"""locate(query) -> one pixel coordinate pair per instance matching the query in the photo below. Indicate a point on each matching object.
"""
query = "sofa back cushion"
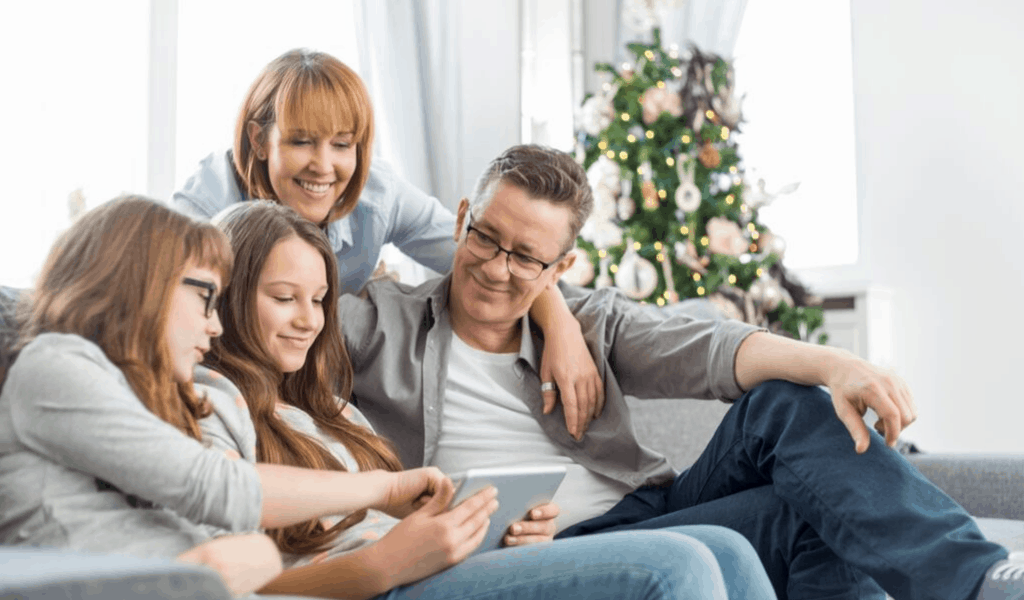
(8, 301)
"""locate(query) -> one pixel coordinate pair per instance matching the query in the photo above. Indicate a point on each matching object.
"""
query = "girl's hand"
(245, 562)
(539, 526)
(567, 362)
(407, 491)
(433, 538)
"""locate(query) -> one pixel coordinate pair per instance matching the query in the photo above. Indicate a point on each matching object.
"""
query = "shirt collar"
(530, 346)
(339, 233)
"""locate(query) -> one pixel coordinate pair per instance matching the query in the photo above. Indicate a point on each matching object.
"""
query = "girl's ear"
(256, 139)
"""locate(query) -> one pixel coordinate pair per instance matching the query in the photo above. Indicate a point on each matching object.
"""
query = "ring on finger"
(548, 386)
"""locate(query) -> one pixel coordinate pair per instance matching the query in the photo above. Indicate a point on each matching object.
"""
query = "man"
(448, 371)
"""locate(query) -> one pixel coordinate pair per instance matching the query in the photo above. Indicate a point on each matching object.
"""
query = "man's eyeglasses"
(522, 266)
(210, 298)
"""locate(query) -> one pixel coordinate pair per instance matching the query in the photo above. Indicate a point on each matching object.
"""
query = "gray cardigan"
(85, 466)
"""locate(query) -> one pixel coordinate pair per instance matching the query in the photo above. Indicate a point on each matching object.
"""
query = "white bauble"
(605, 207)
(636, 277)
(582, 271)
(605, 173)
(596, 114)
(687, 197)
(601, 233)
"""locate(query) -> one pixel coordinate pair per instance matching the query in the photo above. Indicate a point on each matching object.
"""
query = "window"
(77, 98)
(793, 60)
(75, 115)
(221, 48)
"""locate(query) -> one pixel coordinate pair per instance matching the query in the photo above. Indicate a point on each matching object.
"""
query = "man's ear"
(460, 218)
(254, 131)
(564, 265)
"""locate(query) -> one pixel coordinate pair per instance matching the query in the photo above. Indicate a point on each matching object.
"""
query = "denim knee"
(682, 563)
(780, 396)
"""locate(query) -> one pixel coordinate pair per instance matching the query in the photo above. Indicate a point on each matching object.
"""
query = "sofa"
(990, 487)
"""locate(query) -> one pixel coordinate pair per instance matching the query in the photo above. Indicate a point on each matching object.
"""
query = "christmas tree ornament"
(687, 194)
(636, 276)
(686, 255)
(605, 208)
(602, 234)
(725, 237)
(627, 208)
(605, 173)
(597, 113)
(775, 245)
(698, 120)
(709, 156)
(657, 100)
(650, 195)
(582, 270)
(671, 296)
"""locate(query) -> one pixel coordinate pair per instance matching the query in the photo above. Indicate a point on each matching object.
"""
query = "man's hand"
(567, 363)
(539, 526)
(857, 385)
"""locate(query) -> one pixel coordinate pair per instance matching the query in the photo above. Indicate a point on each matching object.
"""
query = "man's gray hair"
(544, 174)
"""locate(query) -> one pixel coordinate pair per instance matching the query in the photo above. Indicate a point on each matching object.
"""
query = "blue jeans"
(827, 522)
(650, 565)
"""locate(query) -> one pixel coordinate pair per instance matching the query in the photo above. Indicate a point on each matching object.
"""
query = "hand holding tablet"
(520, 489)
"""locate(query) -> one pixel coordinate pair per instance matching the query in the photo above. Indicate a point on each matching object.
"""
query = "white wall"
(938, 93)
(490, 83)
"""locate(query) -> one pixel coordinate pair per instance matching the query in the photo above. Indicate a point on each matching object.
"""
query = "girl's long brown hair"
(319, 388)
(313, 91)
(110, 278)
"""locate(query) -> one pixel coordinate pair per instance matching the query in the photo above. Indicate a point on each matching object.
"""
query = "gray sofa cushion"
(1005, 532)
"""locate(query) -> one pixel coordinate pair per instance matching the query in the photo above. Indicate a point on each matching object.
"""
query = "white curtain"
(713, 25)
(409, 60)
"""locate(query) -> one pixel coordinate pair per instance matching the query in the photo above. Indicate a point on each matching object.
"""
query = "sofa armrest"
(986, 485)
(31, 573)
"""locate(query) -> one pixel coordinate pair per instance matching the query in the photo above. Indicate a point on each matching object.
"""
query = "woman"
(101, 392)
(304, 138)
(284, 349)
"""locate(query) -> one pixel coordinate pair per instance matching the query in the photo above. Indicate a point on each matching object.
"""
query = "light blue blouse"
(390, 210)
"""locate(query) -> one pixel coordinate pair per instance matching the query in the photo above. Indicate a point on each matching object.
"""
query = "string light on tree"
(682, 222)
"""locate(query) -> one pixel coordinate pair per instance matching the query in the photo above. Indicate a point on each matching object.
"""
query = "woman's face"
(289, 301)
(308, 171)
(189, 329)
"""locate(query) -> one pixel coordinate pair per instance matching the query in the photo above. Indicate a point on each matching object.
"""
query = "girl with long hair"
(101, 394)
(304, 138)
(283, 348)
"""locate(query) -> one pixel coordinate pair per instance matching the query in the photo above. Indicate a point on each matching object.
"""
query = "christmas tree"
(674, 217)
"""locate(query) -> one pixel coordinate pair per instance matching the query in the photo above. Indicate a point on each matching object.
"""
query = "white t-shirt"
(487, 423)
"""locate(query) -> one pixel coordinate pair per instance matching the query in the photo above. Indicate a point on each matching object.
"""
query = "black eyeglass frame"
(211, 300)
(508, 253)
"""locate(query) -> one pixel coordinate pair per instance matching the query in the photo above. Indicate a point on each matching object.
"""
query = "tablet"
(519, 490)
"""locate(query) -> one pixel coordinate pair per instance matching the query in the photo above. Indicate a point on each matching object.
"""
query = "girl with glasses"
(101, 448)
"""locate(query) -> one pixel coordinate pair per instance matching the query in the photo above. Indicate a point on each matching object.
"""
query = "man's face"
(484, 290)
